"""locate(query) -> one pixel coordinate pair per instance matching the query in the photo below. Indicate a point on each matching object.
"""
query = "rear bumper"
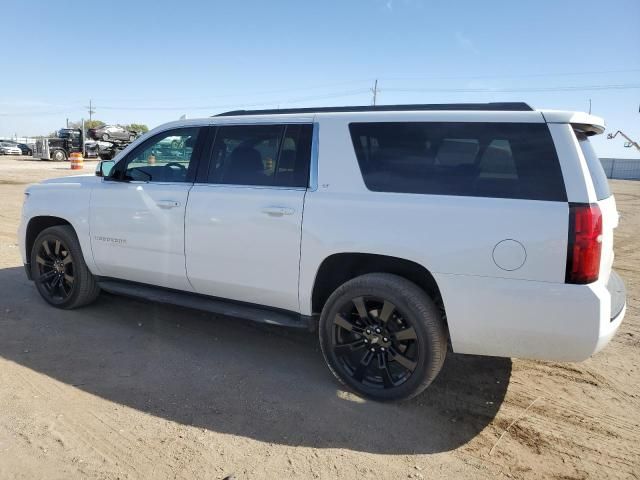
(539, 320)
(618, 294)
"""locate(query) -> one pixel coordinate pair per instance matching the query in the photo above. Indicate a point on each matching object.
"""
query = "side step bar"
(215, 305)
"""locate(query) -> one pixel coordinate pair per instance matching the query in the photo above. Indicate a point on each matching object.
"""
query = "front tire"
(105, 137)
(59, 271)
(59, 155)
(382, 336)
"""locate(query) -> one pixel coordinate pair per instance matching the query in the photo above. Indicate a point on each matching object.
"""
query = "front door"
(137, 213)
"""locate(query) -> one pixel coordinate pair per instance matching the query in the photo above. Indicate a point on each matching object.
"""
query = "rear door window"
(269, 155)
(599, 178)
(500, 160)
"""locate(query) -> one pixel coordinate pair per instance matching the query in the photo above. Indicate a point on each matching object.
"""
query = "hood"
(83, 179)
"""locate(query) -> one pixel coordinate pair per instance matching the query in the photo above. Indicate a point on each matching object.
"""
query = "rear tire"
(59, 270)
(382, 336)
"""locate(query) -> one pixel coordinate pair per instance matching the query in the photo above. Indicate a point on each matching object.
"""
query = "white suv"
(394, 230)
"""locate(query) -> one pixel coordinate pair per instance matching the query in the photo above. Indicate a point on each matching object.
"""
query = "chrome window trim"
(261, 187)
(144, 182)
(313, 167)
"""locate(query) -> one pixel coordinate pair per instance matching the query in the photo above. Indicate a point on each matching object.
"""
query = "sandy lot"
(127, 389)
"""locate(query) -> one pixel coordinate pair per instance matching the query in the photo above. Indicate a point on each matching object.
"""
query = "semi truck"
(58, 148)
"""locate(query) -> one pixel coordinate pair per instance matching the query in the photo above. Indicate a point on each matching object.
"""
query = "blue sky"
(153, 61)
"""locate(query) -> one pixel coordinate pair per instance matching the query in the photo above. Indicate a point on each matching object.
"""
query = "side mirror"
(104, 167)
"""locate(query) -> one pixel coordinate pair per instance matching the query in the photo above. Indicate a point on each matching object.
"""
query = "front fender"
(67, 200)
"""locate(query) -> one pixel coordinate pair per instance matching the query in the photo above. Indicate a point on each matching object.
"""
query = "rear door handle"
(168, 203)
(278, 211)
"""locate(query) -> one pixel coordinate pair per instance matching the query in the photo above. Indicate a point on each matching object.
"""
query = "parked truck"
(70, 140)
(58, 148)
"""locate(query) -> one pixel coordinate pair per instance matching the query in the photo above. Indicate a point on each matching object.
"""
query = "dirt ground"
(127, 389)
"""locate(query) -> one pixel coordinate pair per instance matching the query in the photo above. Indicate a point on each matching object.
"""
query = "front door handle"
(278, 211)
(168, 203)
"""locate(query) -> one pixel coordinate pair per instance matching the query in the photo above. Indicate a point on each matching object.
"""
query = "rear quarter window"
(599, 178)
(499, 160)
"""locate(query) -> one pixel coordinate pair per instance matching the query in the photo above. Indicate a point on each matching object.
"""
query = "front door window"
(165, 157)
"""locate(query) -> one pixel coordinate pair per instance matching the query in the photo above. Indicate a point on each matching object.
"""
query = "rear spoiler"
(583, 122)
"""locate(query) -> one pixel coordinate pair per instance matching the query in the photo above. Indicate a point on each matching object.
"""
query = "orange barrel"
(76, 161)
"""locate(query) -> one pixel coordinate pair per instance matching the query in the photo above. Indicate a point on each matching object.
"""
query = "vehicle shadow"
(231, 376)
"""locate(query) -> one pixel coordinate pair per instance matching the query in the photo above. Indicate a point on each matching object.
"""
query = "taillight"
(585, 243)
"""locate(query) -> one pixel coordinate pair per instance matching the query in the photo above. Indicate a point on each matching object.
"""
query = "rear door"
(244, 217)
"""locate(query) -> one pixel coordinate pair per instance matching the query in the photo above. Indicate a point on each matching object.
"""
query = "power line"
(35, 114)
(375, 90)
(348, 93)
(573, 88)
(425, 77)
(245, 94)
(237, 105)
(521, 75)
(366, 81)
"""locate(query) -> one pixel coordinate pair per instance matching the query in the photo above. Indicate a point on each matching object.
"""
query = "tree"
(87, 124)
(137, 127)
(92, 124)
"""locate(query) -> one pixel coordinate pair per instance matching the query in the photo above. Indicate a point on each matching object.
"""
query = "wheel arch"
(338, 268)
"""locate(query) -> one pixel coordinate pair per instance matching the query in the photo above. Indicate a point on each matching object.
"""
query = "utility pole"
(375, 91)
(91, 110)
(589, 106)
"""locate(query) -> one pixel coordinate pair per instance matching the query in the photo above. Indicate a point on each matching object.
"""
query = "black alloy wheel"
(383, 336)
(59, 270)
(375, 342)
(55, 269)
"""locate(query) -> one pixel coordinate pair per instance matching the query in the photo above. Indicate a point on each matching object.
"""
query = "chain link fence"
(621, 168)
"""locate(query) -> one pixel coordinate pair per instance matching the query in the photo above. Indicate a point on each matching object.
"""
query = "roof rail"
(493, 107)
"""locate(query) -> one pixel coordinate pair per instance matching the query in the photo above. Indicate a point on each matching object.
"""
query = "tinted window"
(276, 155)
(502, 160)
(295, 155)
(165, 157)
(599, 178)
